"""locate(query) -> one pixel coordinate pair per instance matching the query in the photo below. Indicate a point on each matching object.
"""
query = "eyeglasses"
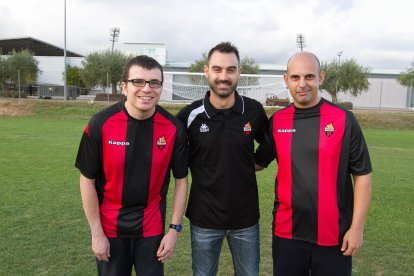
(142, 83)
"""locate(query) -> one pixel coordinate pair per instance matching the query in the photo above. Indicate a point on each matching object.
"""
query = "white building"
(50, 57)
(384, 92)
(52, 68)
(158, 51)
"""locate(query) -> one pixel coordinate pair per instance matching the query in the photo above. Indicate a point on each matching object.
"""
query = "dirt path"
(10, 107)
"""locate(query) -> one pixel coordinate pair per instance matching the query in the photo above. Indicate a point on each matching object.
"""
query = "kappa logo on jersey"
(247, 129)
(329, 129)
(204, 128)
(118, 143)
(286, 130)
(161, 142)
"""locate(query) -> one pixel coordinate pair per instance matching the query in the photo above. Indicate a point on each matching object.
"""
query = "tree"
(3, 71)
(17, 64)
(73, 76)
(103, 68)
(407, 78)
(347, 77)
(198, 65)
(249, 66)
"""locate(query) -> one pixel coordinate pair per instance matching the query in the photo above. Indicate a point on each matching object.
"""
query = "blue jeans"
(244, 246)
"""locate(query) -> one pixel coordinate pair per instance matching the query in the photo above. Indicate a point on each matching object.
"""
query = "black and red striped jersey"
(317, 150)
(131, 160)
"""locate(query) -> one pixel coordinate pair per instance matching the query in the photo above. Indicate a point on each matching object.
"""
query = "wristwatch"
(176, 227)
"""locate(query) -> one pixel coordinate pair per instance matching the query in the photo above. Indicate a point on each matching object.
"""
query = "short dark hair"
(224, 47)
(143, 61)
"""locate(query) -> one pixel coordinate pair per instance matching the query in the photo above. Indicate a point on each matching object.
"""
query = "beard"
(223, 92)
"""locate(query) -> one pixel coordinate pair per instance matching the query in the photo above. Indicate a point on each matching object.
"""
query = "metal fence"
(48, 91)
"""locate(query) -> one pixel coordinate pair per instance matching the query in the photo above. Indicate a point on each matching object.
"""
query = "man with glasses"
(125, 156)
(223, 203)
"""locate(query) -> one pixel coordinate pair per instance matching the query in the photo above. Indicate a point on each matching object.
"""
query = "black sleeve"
(183, 116)
(266, 152)
(262, 125)
(88, 158)
(179, 161)
(359, 160)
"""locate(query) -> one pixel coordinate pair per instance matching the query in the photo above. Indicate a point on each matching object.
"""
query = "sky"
(376, 33)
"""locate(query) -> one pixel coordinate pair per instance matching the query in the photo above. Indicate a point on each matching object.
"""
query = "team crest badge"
(161, 142)
(247, 128)
(329, 129)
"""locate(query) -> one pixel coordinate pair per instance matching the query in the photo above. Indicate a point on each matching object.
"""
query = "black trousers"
(301, 258)
(125, 253)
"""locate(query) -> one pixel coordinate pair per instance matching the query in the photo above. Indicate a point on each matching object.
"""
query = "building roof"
(36, 46)
(385, 71)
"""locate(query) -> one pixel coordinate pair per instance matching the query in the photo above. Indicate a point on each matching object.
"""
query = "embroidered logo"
(329, 129)
(161, 142)
(247, 129)
(204, 128)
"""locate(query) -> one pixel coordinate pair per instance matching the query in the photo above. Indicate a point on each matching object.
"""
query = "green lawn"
(43, 229)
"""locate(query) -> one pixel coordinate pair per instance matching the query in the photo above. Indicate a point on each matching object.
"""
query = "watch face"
(177, 227)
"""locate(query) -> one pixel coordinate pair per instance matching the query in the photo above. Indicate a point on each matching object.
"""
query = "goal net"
(179, 86)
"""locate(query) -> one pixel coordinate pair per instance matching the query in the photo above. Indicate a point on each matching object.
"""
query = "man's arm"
(166, 249)
(266, 151)
(258, 168)
(100, 243)
(353, 238)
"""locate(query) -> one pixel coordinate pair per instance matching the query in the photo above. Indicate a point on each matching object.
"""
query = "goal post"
(183, 86)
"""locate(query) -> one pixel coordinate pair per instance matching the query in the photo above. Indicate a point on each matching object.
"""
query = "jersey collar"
(211, 111)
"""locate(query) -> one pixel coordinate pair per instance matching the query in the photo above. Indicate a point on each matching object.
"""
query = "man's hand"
(352, 243)
(100, 247)
(167, 246)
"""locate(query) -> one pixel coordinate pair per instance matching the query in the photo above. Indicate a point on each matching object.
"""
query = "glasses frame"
(150, 83)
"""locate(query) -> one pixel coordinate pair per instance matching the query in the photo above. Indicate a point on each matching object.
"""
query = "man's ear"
(124, 87)
(206, 70)
(285, 78)
(321, 77)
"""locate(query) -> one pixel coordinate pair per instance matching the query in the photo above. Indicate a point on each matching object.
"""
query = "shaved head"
(303, 78)
(305, 54)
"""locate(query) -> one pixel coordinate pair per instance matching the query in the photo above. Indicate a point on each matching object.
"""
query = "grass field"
(43, 229)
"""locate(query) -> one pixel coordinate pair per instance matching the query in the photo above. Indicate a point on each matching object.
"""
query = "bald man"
(323, 183)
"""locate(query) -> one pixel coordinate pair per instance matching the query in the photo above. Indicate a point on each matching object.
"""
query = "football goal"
(182, 86)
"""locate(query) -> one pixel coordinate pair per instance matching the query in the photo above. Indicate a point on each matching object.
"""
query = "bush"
(111, 97)
(347, 105)
(12, 94)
